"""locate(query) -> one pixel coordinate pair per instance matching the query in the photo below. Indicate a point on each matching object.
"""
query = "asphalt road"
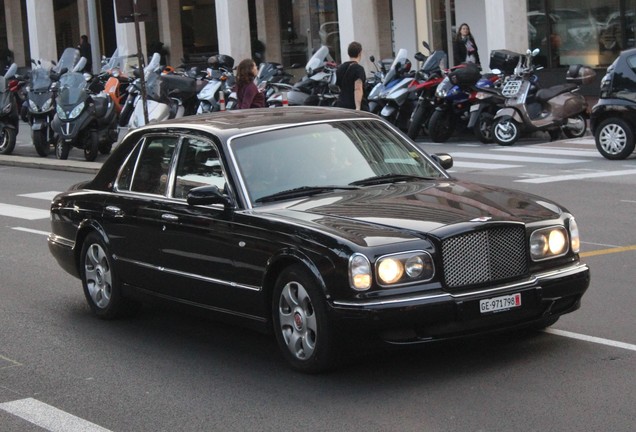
(171, 371)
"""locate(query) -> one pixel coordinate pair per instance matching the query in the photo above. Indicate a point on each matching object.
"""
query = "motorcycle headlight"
(7, 108)
(76, 111)
(60, 112)
(47, 105)
(549, 243)
(33, 106)
(441, 92)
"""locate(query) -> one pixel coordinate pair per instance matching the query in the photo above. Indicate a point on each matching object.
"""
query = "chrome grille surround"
(485, 256)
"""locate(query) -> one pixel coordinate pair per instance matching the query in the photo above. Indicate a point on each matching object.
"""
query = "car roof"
(233, 122)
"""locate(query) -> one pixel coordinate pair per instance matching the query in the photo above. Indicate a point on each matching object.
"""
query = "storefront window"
(306, 25)
(590, 32)
(198, 27)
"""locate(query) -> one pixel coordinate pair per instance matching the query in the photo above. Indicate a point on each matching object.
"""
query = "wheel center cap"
(298, 321)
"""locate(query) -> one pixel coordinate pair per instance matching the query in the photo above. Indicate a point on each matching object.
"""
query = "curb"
(51, 164)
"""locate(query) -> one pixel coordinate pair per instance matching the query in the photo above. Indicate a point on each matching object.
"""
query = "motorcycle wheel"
(441, 125)
(91, 147)
(483, 128)
(62, 149)
(576, 127)
(418, 121)
(41, 143)
(614, 139)
(505, 131)
(7, 141)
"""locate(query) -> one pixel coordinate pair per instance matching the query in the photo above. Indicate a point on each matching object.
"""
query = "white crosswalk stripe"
(22, 212)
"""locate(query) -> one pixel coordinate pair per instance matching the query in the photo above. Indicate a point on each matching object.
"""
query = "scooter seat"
(180, 83)
(544, 95)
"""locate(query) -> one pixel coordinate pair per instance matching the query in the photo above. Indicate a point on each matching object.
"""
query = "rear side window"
(148, 172)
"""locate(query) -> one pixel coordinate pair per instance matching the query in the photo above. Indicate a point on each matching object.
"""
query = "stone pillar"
(268, 27)
(233, 24)
(169, 16)
(507, 24)
(127, 39)
(358, 22)
(41, 29)
(15, 32)
(405, 34)
(82, 15)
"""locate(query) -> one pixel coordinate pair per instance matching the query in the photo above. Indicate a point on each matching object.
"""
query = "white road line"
(21, 212)
(544, 151)
(592, 339)
(464, 164)
(583, 176)
(49, 417)
(48, 196)
(510, 158)
(32, 231)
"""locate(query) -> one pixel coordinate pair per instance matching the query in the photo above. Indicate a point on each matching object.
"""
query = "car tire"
(7, 140)
(505, 131)
(102, 287)
(41, 143)
(578, 130)
(441, 126)
(614, 139)
(299, 315)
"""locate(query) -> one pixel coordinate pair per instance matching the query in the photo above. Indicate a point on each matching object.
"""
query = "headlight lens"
(548, 243)
(76, 111)
(416, 266)
(7, 108)
(47, 105)
(575, 242)
(359, 272)
(60, 112)
(33, 106)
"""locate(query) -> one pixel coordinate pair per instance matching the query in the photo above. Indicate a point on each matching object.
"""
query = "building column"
(127, 39)
(41, 29)
(507, 24)
(358, 21)
(15, 32)
(169, 17)
(405, 34)
(268, 27)
(233, 24)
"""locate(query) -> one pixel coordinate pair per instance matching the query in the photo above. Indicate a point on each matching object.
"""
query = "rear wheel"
(614, 139)
(7, 140)
(40, 142)
(441, 125)
(303, 332)
(575, 127)
(62, 149)
(483, 128)
(505, 131)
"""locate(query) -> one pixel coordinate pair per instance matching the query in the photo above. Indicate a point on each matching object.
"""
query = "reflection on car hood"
(419, 207)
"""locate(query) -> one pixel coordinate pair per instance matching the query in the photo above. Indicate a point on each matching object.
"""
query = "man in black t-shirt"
(350, 77)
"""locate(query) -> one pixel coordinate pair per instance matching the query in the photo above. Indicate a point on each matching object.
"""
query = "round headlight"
(414, 266)
(390, 271)
(557, 242)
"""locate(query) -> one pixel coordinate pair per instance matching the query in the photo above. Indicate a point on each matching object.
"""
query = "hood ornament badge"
(481, 219)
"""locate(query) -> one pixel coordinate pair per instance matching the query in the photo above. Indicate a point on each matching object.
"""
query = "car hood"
(408, 209)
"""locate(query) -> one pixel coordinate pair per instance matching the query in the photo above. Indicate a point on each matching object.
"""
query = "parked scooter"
(488, 100)
(316, 88)
(217, 83)
(374, 86)
(83, 120)
(554, 109)
(394, 99)
(9, 118)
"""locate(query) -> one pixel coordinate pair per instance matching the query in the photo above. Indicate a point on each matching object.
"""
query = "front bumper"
(442, 315)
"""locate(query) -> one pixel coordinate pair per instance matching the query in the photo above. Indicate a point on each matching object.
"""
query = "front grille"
(484, 256)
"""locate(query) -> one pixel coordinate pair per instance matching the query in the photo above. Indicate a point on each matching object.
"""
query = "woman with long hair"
(247, 93)
(465, 48)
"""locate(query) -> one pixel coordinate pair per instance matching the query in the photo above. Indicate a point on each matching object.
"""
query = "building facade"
(592, 32)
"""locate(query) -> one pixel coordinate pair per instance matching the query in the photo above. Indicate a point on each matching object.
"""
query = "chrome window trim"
(534, 280)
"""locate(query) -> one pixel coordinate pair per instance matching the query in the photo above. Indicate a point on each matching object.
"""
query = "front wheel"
(299, 316)
(614, 139)
(575, 127)
(419, 119)
(7, 140)
(62, 149)
(483, 128)
(100, 281)
(40, 142)
(441, 125)
(505, 131)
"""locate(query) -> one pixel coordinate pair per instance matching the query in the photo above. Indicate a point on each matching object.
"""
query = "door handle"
(169, 217)
(114, 211)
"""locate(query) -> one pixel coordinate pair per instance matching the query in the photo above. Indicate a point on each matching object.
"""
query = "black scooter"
(9, 118)
(83, 120)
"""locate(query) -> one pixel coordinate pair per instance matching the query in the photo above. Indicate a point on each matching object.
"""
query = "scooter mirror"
(426, 45)
(535, 52)
(372, 58)
(528, 52)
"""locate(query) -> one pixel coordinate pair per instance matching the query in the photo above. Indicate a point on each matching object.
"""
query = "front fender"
(511, 112)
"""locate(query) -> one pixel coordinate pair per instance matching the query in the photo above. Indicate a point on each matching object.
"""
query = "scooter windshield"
(400, 60)
(436, 61)
(72, 89)
(318, 59)
(68, 60)
(40, 80)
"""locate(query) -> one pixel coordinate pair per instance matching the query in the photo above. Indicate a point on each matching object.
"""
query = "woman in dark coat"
(465, 48)
(247, 93)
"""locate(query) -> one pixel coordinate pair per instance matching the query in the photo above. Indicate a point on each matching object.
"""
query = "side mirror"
(426, 45)
(443, 159)
(205, 195)
(372, 58)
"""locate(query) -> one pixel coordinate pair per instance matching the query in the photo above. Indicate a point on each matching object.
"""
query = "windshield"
(393, 73)
(318, 59)
(338, 155)
(68, 59)
(434, 62)
(72, 88)
(40, 79)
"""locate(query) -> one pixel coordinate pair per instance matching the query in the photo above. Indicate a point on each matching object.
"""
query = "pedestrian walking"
(85, 51)
(464, 47)
(350, 77)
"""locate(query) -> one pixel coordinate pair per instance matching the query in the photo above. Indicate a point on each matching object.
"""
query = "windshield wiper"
(389, 178)
(302, 191)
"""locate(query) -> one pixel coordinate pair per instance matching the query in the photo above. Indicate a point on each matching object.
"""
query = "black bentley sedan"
(317, 224)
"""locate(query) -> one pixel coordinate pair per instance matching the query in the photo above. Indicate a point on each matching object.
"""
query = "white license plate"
(502, 303)
(474, 107)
